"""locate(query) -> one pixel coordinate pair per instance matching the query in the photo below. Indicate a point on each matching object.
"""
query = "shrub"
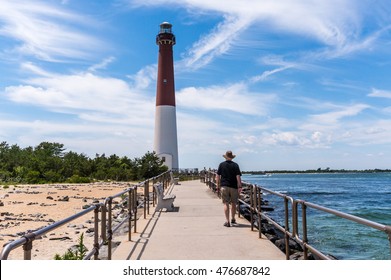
(77, 254)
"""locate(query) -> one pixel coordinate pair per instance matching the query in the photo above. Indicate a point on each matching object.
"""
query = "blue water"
(366, 195)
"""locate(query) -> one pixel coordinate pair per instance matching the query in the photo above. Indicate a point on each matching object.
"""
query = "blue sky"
(283, 84)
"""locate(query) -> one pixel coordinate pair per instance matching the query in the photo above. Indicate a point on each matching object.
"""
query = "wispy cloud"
(45, 31)
(380, 93)
(334, 116)
(216, 43)
(267, 74)
(143, 78)
(101, 65)
(335, 24)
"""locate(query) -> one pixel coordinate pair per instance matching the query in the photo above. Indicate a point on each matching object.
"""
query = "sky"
(287, 85)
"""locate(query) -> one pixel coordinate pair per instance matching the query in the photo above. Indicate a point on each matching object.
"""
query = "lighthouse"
(165, 141)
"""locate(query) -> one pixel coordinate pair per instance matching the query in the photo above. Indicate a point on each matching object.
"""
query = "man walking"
(229, 178)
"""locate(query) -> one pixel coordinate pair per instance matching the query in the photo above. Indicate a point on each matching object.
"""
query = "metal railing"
(291, 215)
(105, 223)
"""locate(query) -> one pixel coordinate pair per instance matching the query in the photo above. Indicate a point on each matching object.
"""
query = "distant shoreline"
(317, 171)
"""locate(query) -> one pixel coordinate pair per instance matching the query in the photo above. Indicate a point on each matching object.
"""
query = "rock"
(280, 243)
(296, 256)
(90, 230)
(32, 203)
(63, 238)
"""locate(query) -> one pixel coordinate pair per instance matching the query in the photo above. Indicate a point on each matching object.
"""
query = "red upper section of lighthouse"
(165, 91)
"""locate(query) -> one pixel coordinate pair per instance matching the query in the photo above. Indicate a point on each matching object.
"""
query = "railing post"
(146, 198)
(103, 222)
(96, 233)
(238, 207)
(388, 231)
(130, 208)
(305, 240)
(154, 193)
(287, 249)
(252, 207)
(217, 186)
(27, 247)
(208, 179)
(135, 207)
(295, 221)
(109, 229)
(259, 199)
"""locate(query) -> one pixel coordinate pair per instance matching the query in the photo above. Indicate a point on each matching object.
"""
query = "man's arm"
(239, 180)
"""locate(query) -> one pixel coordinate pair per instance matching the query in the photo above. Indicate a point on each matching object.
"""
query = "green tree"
(48, 163)
(47, 157)
(150, 165)
(76, 164)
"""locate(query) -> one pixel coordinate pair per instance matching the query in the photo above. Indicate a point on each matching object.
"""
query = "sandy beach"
(30, 207)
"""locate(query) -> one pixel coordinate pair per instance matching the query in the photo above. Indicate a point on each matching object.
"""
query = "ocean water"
(366, 195)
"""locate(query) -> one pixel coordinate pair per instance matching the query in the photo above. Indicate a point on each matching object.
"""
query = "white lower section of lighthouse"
(166, 140)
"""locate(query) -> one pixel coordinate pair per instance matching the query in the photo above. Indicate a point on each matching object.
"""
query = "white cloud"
(144, 78)
(369, 133)
(216, 43)
(96, 112)
(102, 65)
(334, 23)
(47, 32)
(266, 74)
(235, 97)
(82, 137)
(287, 138)
(334, 116)
(88, 96)
(380, 93)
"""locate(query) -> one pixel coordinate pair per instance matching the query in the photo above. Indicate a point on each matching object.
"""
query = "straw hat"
(229, 155)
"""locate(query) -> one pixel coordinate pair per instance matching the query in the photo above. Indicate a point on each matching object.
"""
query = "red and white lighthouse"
(166, 142)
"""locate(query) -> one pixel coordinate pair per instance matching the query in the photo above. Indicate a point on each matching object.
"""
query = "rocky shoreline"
(274, 234)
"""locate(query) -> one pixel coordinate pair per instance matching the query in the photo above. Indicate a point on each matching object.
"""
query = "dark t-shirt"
(228, 171)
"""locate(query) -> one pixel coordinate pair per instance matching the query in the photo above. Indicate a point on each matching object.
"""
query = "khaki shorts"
(229, 195)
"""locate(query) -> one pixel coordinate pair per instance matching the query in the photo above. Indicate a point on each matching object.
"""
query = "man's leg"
(226, 211)
(226, 199)
(233, 211)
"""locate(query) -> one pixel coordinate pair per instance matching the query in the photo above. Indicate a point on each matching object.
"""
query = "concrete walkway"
(195, 231)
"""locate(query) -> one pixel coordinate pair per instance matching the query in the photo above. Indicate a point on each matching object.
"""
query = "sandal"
(226, 224)
(233, 221)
